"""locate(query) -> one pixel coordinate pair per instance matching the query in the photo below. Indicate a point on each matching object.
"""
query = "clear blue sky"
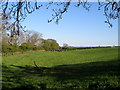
(77, 28)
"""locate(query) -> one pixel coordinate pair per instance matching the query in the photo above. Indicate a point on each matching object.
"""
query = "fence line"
(16, 53)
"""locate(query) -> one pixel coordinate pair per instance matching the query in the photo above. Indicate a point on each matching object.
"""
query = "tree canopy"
(18, 11)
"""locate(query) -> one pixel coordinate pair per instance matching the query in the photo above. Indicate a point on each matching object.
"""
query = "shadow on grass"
(81, 72)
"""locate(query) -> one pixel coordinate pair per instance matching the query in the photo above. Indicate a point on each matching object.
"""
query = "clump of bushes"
(49, 44)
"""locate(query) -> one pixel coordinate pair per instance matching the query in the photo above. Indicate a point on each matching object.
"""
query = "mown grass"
(89, 68)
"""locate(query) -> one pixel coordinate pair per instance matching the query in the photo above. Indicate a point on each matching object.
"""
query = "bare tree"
(65, 45)
(4, 28)
(19, 10)
(6, 34)
(33, 37)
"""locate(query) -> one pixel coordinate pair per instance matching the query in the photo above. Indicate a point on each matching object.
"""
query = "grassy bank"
(87, 68)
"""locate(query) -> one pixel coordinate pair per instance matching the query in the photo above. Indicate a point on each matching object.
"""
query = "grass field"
(87, 68)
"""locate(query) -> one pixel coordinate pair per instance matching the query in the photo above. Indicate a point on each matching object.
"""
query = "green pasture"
(87, 68)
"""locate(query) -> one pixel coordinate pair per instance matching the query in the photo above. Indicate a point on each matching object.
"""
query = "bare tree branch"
(19, 11)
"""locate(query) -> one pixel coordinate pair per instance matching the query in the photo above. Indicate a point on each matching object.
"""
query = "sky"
(78, 27)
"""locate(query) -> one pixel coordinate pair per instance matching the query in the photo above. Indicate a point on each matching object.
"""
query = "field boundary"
(16, 53)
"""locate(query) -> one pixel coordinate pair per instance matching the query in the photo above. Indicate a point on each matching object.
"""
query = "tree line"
(27, 40)
(30, 40)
